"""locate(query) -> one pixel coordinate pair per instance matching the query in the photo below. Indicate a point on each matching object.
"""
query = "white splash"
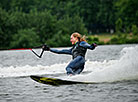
(125, 68)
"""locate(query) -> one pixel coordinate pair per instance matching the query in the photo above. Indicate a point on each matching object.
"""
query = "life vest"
(78, 50)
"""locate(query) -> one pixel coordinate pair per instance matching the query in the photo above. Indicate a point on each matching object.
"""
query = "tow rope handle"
(40, 56)
(37, 54)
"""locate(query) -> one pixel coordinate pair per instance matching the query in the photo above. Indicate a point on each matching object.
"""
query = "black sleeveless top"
(78, 50)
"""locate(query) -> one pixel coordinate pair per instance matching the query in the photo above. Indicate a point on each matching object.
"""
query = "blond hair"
(79, 36)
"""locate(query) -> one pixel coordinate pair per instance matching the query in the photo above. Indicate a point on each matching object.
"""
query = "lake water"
(113, 67)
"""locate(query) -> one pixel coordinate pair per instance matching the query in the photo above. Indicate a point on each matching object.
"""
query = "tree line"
(27, 23)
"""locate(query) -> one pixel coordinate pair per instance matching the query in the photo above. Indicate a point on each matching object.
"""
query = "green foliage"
(59, 39)
(133, 40)
(25, 38)
(54, 21)
(123, 39)
(44, 24)
(69, 25)
(118, 40)
(106, 15)
(4, 33)
(127, 11)
(66, 27)
(92, 40)
(128, 30)
(134, 29)
(119, 25)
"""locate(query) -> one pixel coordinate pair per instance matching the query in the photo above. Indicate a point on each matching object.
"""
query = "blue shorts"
(76, 66)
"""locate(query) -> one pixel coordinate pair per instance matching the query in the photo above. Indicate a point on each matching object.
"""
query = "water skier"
(77, 51)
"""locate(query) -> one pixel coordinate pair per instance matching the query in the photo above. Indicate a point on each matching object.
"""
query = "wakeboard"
(56, 81)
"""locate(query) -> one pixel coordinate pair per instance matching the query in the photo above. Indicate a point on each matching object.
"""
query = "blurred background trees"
(26, 23)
